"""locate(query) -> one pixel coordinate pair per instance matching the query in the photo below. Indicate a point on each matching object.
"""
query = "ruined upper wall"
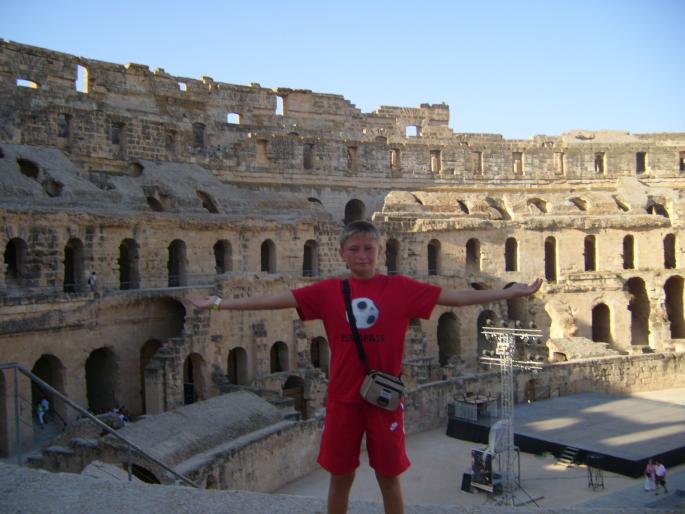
(106, 116)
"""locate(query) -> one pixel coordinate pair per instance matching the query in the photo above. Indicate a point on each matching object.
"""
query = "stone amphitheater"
(164, 186)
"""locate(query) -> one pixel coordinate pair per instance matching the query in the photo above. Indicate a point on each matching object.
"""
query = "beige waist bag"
(382, 389)
(379, 388)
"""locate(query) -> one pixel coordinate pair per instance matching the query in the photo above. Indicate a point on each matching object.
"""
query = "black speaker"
(466, 482)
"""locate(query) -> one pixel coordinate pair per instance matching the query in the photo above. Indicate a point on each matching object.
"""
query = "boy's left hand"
(526, 289)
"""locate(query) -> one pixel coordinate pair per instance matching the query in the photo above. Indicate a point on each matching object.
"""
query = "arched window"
(74, 273)
(177, 263)
(434, 257)
(310, 260)
(601, 323)
(15, 263)
(101, 380)
(355, 210)
(639, 311)
(669, 252)
(628, 252)
(236, 368)
(590, 253)
(392, 250)
(223, 256)
(268, 256)
(50, 370)
(674, 306)
(511, 254)
(473, 256)
(279, 357)
(551, 259)
(129, 276)
(319, 353)
(193, 384)
(449, 342)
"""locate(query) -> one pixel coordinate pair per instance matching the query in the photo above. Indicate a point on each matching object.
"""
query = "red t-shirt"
(383, 307)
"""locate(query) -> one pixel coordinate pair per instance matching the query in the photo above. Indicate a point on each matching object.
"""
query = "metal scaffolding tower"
(505, 348)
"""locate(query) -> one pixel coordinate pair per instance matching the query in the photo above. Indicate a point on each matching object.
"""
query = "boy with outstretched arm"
(388, 304)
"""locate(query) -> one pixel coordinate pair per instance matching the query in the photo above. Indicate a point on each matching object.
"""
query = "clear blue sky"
(514, 68)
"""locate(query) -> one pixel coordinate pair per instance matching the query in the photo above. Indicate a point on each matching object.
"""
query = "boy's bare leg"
(391, 489)
(339, 493)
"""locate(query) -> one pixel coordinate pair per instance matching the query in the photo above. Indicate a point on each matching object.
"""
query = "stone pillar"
(261, 345)
(304, 359)
(154, 388)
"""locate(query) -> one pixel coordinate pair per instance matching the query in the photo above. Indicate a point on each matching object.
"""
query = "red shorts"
(344, 426)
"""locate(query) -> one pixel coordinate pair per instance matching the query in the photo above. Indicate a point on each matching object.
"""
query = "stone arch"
(193, 379)
(392, 252)
(673, 289)
(50, 370)
(223, 256)
(310, 259)
(511, 254)
(177, 263)
(639, 311)
(473, 256)
(485, 318)
(268, 256)
(236, 366)
(208, 202)
(294, 388)
(102, 373)
(278, 357)
(129, 274)
(551, 259)
(434, 257)
(629, 252)
(15, 263)
(355, 210)
(147, 352)
(669, 252)
(144, 474)
(657, 209)
(449, 341)
(537, 205)
(590, 253)
(601, 323)
(74, 271)
(319, 354)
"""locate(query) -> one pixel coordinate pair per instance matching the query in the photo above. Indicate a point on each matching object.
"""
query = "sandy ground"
(438, 462)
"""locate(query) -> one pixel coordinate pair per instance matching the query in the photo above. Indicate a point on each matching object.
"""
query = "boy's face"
(360, 252)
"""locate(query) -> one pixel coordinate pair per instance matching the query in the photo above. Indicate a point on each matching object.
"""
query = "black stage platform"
(621, 431)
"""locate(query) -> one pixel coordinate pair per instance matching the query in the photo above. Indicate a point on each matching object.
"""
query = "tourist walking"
(650, 476)
(660, 476)
(42, 410)
(383, 306)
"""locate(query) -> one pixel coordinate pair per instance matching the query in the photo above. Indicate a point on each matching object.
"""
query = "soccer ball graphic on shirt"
(365, 312)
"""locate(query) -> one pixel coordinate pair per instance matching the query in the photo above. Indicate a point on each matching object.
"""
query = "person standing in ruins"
(384, 306)
(93, 282)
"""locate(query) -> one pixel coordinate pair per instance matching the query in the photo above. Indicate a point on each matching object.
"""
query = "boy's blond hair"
(359, 227)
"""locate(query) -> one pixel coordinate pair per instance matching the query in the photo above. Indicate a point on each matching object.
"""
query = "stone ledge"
(28, 490)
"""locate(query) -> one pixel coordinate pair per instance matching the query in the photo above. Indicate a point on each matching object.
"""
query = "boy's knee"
(388, 483)
(341, 482)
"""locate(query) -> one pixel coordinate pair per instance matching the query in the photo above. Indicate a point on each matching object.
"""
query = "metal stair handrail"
(18, 368)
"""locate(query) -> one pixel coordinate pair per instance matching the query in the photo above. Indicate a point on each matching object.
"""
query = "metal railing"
(18, 368)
